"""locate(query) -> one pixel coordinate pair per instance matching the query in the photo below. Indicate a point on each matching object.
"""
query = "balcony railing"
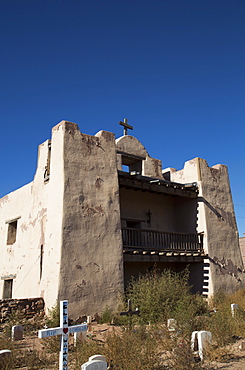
(165, 241)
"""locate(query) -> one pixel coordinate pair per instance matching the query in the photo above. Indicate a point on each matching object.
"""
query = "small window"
(7, 288)
(12, 231)
(131, 164)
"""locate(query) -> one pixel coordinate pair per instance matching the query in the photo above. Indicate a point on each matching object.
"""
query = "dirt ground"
(233, 360)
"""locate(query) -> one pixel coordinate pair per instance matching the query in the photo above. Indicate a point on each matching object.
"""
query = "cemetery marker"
(130, 312)
(63, 330)
(234, 309)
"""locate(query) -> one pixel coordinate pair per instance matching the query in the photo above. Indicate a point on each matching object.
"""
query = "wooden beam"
(162, 188)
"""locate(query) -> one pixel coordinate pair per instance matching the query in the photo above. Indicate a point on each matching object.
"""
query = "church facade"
(101, 210)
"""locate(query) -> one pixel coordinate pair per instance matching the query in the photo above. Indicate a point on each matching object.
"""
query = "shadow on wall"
(220, 213)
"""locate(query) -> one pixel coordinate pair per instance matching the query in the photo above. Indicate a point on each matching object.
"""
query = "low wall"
(29, 307)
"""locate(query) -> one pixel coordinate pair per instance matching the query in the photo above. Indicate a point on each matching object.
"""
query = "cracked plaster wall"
(92, 266)
(216, 219)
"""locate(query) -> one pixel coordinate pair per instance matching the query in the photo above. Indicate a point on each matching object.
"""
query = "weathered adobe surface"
(28, 306)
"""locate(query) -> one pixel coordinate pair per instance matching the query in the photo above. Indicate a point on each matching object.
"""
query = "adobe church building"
(101, 210)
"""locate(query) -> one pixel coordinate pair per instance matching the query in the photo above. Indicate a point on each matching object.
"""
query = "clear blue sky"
(174, 68)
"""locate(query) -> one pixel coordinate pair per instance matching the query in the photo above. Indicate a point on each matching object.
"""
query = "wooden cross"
(63, 330)
(126, 126)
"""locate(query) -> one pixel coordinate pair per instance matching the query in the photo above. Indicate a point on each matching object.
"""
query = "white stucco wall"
(38, 207)
(53, 235)
(22, 258)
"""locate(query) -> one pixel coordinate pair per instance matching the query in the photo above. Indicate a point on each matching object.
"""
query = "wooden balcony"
(150, 240)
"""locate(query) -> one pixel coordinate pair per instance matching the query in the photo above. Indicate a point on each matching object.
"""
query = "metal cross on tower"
(126, 126)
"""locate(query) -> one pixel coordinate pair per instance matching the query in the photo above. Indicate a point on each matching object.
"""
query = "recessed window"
(12, 232)
(7, 288)
(131, 164)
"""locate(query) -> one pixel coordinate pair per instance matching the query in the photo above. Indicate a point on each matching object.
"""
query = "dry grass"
(136, 344)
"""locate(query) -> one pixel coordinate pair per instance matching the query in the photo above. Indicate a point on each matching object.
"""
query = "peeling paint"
(98, 182)
(81, 198)
(95, 266)
(108, 136)
(90, 141)
(39, 216)
(10, 251)
(227, 217)
(227, 267)
(4, 200)
(71, 128)
(91, 211)
(215, 174)
(24, 226)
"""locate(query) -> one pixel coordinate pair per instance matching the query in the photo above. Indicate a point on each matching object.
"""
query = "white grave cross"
(63, 330)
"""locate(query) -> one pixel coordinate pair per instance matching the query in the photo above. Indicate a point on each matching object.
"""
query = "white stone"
(94, 365)
(5, 358)
(171, 324)
(97, 358)
(234, 308)
(242, 346)
(204, 339)
(17, 332)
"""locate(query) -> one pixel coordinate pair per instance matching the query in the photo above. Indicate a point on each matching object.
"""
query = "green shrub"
(160, 296)
(182, 357)
(133, 350)
(53, 317)
(84, 350)
(52, 344)
(107, 316)
(224, 327)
